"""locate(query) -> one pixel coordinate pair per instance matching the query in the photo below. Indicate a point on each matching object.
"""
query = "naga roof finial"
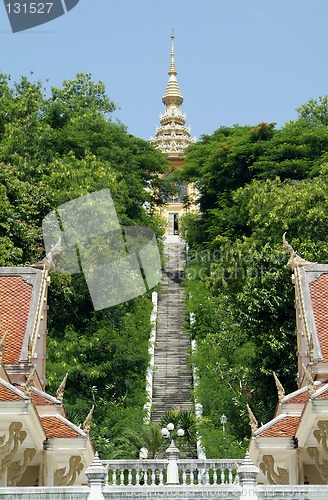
(87, 422)
(2, 344)
(29, 382)
(280, 389)
(295, 260)
(61, 389)
(252, 420)
(309, 381)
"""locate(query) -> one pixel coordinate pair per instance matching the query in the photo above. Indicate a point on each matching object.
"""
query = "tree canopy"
(54, 147)
(254, 184)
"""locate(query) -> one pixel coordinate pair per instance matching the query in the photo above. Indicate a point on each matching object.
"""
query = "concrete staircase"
(172, 380)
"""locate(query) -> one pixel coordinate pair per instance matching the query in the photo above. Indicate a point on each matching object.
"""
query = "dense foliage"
(254, 183)
(54, 148)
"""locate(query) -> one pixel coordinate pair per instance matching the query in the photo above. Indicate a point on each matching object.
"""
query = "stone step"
(172, 379)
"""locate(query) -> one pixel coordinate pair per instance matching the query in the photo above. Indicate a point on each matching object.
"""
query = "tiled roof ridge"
(65, 421)
(46, 395)
(39, 392)
(274, 421)
(39, 307)
(16, 298)
(283, 428)
(270, 423)
(18, 270)
(298, 280)
(13, 388)
(320, 391)
(318, 294)
(293, 394)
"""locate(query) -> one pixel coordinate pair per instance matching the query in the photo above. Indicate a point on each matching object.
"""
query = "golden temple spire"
(172, 67)
(172, 137)
(172, 94)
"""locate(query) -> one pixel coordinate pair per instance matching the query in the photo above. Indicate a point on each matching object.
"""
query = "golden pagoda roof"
(172, 93)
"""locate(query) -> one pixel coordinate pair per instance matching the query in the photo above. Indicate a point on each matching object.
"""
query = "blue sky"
(238, 61)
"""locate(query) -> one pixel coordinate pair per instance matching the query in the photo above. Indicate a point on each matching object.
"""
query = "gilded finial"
(48, 263)
(29, 350)
(280, 389)
(87, 422)
(172, 70)
(61, 389)
(252, 420)
(29, 382)
(309, 381)
(311, 347)
(295, 260)
(2, 344)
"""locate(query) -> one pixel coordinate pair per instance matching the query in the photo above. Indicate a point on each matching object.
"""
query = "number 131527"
(29, 8)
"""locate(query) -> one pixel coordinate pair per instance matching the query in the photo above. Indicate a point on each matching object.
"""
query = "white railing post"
(247, 473)
(172, 454)
(151, 351)
(96, 475)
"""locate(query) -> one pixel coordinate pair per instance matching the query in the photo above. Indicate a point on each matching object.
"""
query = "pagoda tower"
(172, 138)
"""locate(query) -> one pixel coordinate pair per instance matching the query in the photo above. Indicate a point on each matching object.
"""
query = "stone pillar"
(48, 465)
(172, 454)
(247, 473)
(96, 475)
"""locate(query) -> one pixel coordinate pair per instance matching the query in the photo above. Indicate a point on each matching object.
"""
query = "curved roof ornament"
(295, 260)
(252, 420)
(61, 389)
(280, 389)
(309, 380)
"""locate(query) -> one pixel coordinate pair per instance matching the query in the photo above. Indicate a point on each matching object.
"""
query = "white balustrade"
(135, 472)
(154, 472)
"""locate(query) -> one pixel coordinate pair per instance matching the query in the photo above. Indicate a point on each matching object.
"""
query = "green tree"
(54, 149)
(147, 438)
(188, 422)
(315, 112)
(255, 183)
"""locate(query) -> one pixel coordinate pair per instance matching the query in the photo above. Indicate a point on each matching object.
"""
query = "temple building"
(292, 448)
(172, 138)
(39, 446)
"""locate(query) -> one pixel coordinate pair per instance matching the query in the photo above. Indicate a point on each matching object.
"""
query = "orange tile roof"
(38, 397)
(285, 427)
(8, 395)
(55, 427)
(319, 297)
(298, 398)
(301, 396)
(15, 300)
(322, 395)
(41, 400)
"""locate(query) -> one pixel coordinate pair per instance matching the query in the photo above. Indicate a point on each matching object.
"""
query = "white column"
(96, 475)
(172, 454)
(247, 473)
